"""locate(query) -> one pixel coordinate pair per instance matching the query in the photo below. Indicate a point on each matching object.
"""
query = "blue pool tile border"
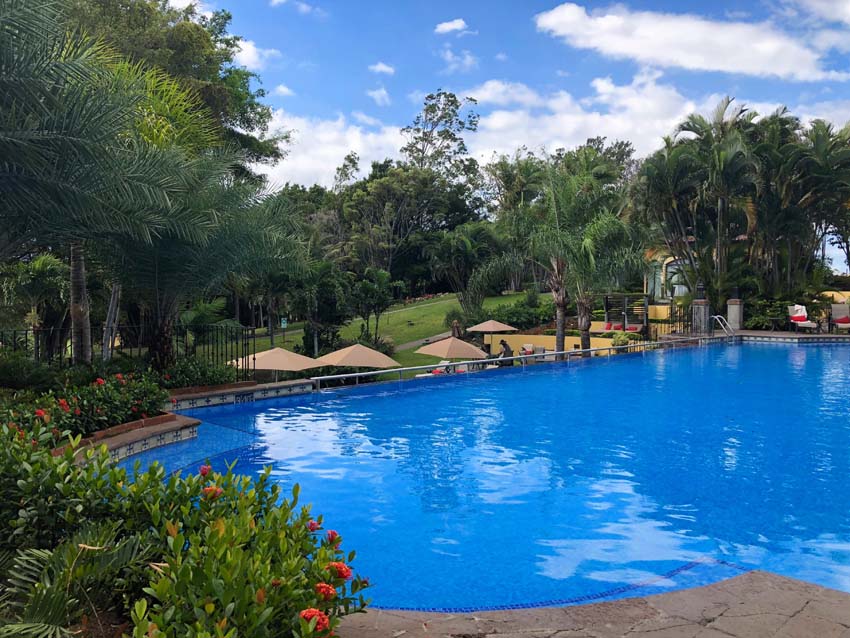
(575, 600)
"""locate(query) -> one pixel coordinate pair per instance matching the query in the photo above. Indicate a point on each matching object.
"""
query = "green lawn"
(404, 324)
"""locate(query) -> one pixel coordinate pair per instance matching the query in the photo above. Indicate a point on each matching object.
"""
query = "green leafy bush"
(227, 555)
(196, 371)
(18, 371)
(620, 339)
(521, 315)
(89, 408)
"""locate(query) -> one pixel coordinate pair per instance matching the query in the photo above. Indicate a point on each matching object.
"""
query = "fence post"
(735, 313)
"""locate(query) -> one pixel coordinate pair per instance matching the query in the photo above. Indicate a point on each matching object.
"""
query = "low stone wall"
(243, 394)
(131, 438)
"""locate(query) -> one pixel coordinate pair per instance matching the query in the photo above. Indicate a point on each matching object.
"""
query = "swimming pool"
(561, 484)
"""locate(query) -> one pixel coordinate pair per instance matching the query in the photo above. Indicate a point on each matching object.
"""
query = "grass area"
(404, 324)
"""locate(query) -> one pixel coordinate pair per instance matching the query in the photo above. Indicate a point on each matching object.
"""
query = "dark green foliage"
(521, 315)
(188, 372)
(18, 372)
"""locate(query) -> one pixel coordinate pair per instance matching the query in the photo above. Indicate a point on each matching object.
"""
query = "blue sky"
(345, 75)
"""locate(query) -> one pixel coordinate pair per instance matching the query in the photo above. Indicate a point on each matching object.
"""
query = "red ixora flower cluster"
(325, 591)
(340, 569)
(212, 492)
(63, 403)
(313, 526)
(204, 470)
(323, 623)
(99, 381)
(40, 413)
(333, 537)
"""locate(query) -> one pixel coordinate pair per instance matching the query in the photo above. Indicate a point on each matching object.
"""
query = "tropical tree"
(569, 243)
(372, 294)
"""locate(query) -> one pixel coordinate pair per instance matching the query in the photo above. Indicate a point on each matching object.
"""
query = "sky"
(346, 75)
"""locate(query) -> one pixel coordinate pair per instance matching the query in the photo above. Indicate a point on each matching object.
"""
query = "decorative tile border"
(152, 441)
(240, 395)
(576, 600)
(768, 338)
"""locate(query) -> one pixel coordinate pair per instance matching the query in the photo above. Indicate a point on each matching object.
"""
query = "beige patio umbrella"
(277, 359)
(357, 356)
(452, 348)
(491, 325)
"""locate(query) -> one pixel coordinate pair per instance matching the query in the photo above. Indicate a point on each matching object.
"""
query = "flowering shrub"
(86, 409)
(188, 372)
(226, 555)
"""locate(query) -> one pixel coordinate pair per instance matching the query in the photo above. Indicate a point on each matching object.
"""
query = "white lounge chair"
(799, 317)
(840, 316)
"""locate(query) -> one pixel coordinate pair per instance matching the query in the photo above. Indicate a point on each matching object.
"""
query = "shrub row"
(211, 554)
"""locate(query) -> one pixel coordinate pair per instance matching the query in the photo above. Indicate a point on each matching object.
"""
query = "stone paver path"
(753, 605)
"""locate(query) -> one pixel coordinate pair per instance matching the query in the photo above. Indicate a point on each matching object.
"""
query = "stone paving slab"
(754, 605)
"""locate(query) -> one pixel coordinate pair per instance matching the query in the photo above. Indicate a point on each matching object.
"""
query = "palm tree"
(720, 145)
(578, 192)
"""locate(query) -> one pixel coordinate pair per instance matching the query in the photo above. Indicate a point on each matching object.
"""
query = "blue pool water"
(562, 484)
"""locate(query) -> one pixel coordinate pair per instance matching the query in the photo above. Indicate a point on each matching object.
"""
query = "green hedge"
(202, 555)
(89, 408)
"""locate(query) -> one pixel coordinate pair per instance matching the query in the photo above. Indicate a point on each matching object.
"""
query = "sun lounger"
(799, 317)
(840, 316)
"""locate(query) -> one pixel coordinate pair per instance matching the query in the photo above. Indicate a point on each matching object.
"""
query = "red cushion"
(617, 326)
(798, 318)
(632, 329)
(608, 326)
(843, 320)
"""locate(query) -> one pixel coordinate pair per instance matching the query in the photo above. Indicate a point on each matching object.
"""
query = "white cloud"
(458, 24)
(501, 57)
(368, 120)
(301, 7)
(380, 96)
(319, 146)
(503, 93)
(829, 10)
(283, 90)
(253, 57)
(686, 41)
(458, 62)
(641, 111)
(382, 67)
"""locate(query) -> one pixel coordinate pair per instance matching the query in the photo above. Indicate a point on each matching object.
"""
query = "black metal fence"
(218, 344)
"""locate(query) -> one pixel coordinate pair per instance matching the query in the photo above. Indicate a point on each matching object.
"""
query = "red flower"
(63, 403)
(325, 591)
(119, 376)
(333, 537)
(276, 582)
(173, 401)
(77, 412)
(340, 569)
(40, 413)
(212, 492)
(323, 623)
(99, 381)
(205, 469)
(134, 409)
(34, 443)
(144, 415)
(313, 526)
(167, 376)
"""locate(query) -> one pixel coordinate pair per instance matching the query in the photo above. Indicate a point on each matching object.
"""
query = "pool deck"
(754, 605)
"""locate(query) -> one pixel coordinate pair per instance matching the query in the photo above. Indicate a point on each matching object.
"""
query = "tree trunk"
(560, 324)
(584, 316)
(110, 325)
(236, 309)
(161, 348)
(271, 325)
(80, 322)
(315, 342)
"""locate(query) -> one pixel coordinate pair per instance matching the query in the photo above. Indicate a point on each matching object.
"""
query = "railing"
(215, 343)
(544, 357)
(721, 321)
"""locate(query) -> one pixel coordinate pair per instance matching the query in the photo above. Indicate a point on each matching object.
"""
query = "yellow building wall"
(516, 341)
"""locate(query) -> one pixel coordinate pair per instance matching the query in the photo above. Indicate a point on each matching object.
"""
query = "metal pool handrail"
(545, 357)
